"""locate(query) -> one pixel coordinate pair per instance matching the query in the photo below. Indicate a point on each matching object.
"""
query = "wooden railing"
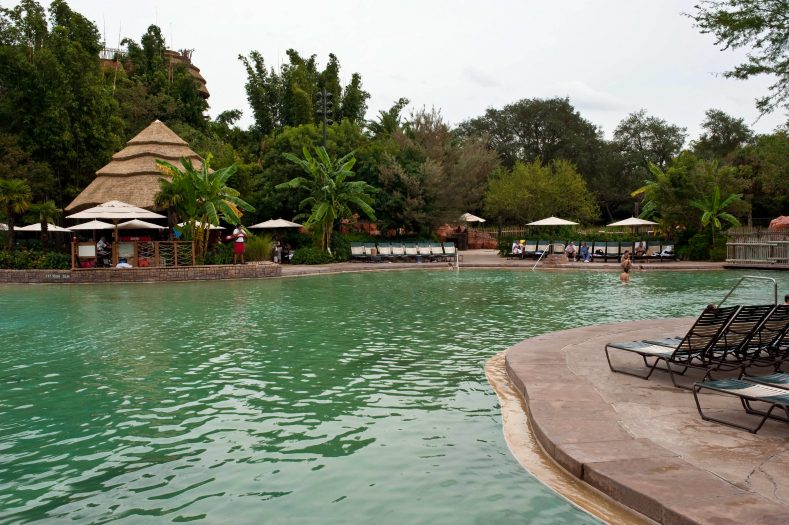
(750, 245)
(143, 254)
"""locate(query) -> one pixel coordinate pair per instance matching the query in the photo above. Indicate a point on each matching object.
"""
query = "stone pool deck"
(642, 442)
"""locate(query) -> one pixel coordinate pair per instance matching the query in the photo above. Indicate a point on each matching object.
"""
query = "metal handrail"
(756, 277)
(540, 258)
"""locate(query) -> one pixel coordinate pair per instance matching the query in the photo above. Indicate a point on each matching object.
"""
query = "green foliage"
(712, 208)
(287, 98)
(722, 135)
(698, 247)
(34, 260)
(200, 197)
(311, 255)
(532, 191)
(219, 254)
(15, 197)
(259, 248)
(330, 194)
(759, 26)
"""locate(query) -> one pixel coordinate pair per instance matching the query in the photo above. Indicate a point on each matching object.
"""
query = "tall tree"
(330, 193)
(761, 27)
(722, 135)
(534, 191)
(204, 198)
(15, 198)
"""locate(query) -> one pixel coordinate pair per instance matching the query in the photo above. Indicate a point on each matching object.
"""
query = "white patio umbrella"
(136, 224)
(3, 226)
(276, 223)
(116, 211)
(633, 221)
(92, 225)
(37, 228)
(468, 217)
(552, 221)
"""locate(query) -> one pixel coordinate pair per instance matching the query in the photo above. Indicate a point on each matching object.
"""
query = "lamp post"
(324, 103)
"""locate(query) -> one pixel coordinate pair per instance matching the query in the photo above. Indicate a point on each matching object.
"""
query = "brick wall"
(132, 275)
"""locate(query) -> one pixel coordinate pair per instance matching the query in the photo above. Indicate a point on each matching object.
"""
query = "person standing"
(626, 264)
(238, 245)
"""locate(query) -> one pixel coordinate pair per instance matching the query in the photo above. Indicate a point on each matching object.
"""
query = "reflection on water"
(346, 398)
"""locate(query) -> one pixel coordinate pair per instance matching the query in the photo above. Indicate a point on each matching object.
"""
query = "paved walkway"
(490, 259)
(643, 442)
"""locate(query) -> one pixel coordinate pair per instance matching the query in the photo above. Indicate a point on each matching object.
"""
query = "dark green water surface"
(356, 398)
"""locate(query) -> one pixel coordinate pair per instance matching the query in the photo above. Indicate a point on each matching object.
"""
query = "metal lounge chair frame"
(748, 393)
(704, 333)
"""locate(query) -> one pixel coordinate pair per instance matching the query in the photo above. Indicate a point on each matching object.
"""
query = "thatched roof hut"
(132, 175)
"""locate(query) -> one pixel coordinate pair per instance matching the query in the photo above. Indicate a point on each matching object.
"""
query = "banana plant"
(712, 209)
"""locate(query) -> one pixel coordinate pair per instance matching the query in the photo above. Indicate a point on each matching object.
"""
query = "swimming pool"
(334, 399)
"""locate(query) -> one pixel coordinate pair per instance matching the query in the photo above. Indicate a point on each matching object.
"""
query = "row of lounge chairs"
(731, 339)
(603, 250)
(399, 251)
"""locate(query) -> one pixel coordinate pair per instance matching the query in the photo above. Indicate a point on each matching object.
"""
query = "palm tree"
(201, 197)
(47, 212)
(15, 197)
(712, 210)
(330, 191)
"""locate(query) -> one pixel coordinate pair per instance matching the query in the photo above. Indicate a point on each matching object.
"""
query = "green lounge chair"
(748, 394)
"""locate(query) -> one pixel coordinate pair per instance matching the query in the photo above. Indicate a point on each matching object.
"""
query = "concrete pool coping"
(642, 443)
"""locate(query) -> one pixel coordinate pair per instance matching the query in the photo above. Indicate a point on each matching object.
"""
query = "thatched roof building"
(132, 175)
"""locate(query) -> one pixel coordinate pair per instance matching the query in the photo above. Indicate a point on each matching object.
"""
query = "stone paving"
(642, 442)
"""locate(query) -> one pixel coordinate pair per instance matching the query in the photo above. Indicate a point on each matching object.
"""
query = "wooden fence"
(156, 254)
(749, 245)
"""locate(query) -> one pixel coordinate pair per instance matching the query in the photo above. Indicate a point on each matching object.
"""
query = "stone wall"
(132, 275)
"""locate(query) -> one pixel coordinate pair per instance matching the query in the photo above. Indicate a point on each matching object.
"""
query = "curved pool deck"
(642, 442)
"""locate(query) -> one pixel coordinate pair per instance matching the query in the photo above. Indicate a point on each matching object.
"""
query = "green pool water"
(356, 398)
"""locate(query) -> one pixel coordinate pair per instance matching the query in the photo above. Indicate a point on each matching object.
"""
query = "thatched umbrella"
(132, 175)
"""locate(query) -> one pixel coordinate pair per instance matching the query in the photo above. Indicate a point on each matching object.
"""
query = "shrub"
(219, 254)
(36, 260)
(259, 248)
(311, 255)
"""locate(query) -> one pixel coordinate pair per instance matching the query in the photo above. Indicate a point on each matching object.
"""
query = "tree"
(330, 193)
(712, 208)
(766, 162)
(45, 212)
(15, 198)
(722, 135)
(287, 97)
(643, 139)
(760, 26)
(204, 198)
(534, 191)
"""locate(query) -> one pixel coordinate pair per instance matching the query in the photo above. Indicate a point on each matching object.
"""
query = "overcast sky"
(610, 57)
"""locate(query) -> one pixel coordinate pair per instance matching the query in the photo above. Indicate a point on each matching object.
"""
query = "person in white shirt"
(238, 245)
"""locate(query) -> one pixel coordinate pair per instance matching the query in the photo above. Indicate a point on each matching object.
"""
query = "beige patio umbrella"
(37, 228)
(3, 226)
(137, 224)
(276, 223)
(552, 221)
(93, 226)
(468, 217)
(633, 221)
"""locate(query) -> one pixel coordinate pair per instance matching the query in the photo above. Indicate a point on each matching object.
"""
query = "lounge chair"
(371, 251)
(612, 251)
(748, 393)
(450, 251)
(411, 251)
(357, 251)
(398, 250)
(653, 250)
(437, 252)
(778, 380)
(385, 250)
(530, 249)
(730, 351)
(769, 347)
(688, 353)
(425, 251)
(667, 253)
